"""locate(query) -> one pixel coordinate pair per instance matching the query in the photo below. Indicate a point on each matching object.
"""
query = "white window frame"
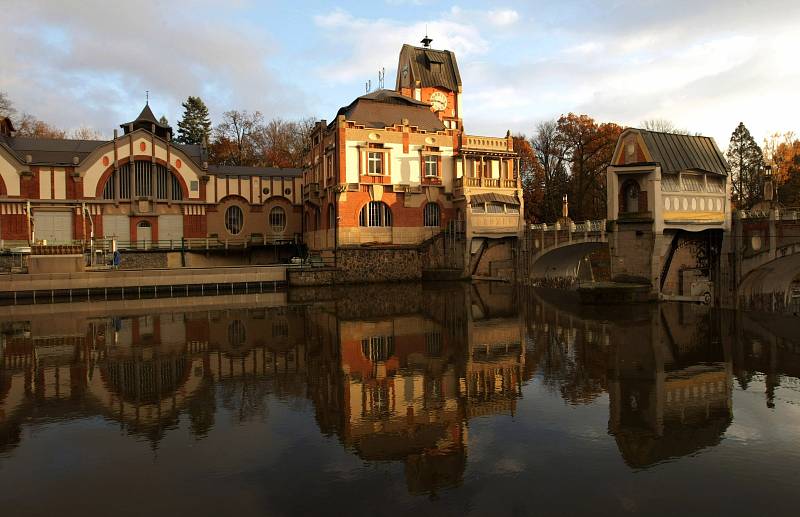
(376, 159)
(431, 160)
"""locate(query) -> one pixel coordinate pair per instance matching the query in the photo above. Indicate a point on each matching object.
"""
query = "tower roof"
(147, 121)
(146, 116)
(429, 68)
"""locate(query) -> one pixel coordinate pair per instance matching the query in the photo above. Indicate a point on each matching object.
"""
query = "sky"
(705, 65)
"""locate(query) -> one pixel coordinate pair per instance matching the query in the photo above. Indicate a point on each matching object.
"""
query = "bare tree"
(6, 107)
(234, 137)
(550, 152)
(86, 133)
(663, 125)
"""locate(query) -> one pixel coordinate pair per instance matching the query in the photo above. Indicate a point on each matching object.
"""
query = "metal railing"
(199, 243)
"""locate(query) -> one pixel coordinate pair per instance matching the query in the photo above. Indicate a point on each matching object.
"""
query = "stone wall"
(143, 260)
(367, 265)
(631, 251)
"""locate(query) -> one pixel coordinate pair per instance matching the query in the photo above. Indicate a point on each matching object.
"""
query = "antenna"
(381, 77)
(147, 97)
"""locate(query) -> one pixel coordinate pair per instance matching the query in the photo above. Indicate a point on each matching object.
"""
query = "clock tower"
(431, 76)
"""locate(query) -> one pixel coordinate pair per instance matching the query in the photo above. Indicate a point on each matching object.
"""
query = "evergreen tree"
(747, 167)
(163, 120)
(195, 126)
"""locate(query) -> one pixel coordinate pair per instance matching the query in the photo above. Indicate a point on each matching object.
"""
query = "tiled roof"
(385, 108)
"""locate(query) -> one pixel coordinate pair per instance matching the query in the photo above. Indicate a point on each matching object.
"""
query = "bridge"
(555, 253)
(767, 259)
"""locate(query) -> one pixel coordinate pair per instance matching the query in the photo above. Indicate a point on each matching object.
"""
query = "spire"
(147, 97)
(426, 41)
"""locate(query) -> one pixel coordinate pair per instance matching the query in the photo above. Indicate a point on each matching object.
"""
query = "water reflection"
(398, 374)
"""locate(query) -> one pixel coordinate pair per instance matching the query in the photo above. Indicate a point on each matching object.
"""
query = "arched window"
(630, 197)
(277, 219)
(375, 213)
(234, 219)
(431, 216)
(167, 187)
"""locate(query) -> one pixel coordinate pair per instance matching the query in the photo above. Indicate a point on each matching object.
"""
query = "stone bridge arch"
(557, 251)
(767, 247)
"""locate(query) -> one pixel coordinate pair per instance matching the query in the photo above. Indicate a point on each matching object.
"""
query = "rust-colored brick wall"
(14, 227)
(194, 226)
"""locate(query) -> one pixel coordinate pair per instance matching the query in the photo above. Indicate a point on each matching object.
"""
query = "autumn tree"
(747, 167)
(234, 138)
(530, 171)
(780, 150)
(195, 126)
(29, 126)
(588, 148)
(283, 143)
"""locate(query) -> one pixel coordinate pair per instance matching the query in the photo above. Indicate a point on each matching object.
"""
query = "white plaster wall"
(44, 184)
(351, 157)
(10, 175)
(60, 184)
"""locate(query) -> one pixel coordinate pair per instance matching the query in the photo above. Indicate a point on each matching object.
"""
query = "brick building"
(395, 168)
(140, 188)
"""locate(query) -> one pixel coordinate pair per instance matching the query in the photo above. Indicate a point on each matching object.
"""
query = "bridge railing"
(598, 225)
(778, 214)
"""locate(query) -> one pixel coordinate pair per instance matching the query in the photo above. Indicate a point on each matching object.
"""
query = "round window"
(288, 191)
(265, 190)
(277, 219)
(234, 219)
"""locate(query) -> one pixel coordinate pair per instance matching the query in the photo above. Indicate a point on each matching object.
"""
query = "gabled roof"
(45, 151)
(432, 68)
(385, 108)
(675, 153)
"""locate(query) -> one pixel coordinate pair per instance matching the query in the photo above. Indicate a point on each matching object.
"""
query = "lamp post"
(337, 190)
(768, 184)
(91, 236)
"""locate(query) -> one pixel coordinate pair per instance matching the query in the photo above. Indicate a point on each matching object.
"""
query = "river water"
(380, 400)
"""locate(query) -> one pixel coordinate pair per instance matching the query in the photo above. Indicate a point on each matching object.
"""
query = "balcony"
(311, 191)
(488, 183)
(484, 143)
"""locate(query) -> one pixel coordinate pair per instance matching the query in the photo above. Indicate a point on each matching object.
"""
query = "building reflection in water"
(402, 383)
(397, 377)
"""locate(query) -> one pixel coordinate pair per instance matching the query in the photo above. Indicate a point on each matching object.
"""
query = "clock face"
(439, 101)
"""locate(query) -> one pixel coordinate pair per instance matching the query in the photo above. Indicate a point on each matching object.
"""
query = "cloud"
(91, 61)
(357, 47)
(503, 17)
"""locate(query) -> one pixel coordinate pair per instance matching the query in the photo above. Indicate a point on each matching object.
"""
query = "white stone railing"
(778, 214)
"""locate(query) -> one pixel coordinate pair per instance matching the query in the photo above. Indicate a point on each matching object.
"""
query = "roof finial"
(426, 41)
(147, 97)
